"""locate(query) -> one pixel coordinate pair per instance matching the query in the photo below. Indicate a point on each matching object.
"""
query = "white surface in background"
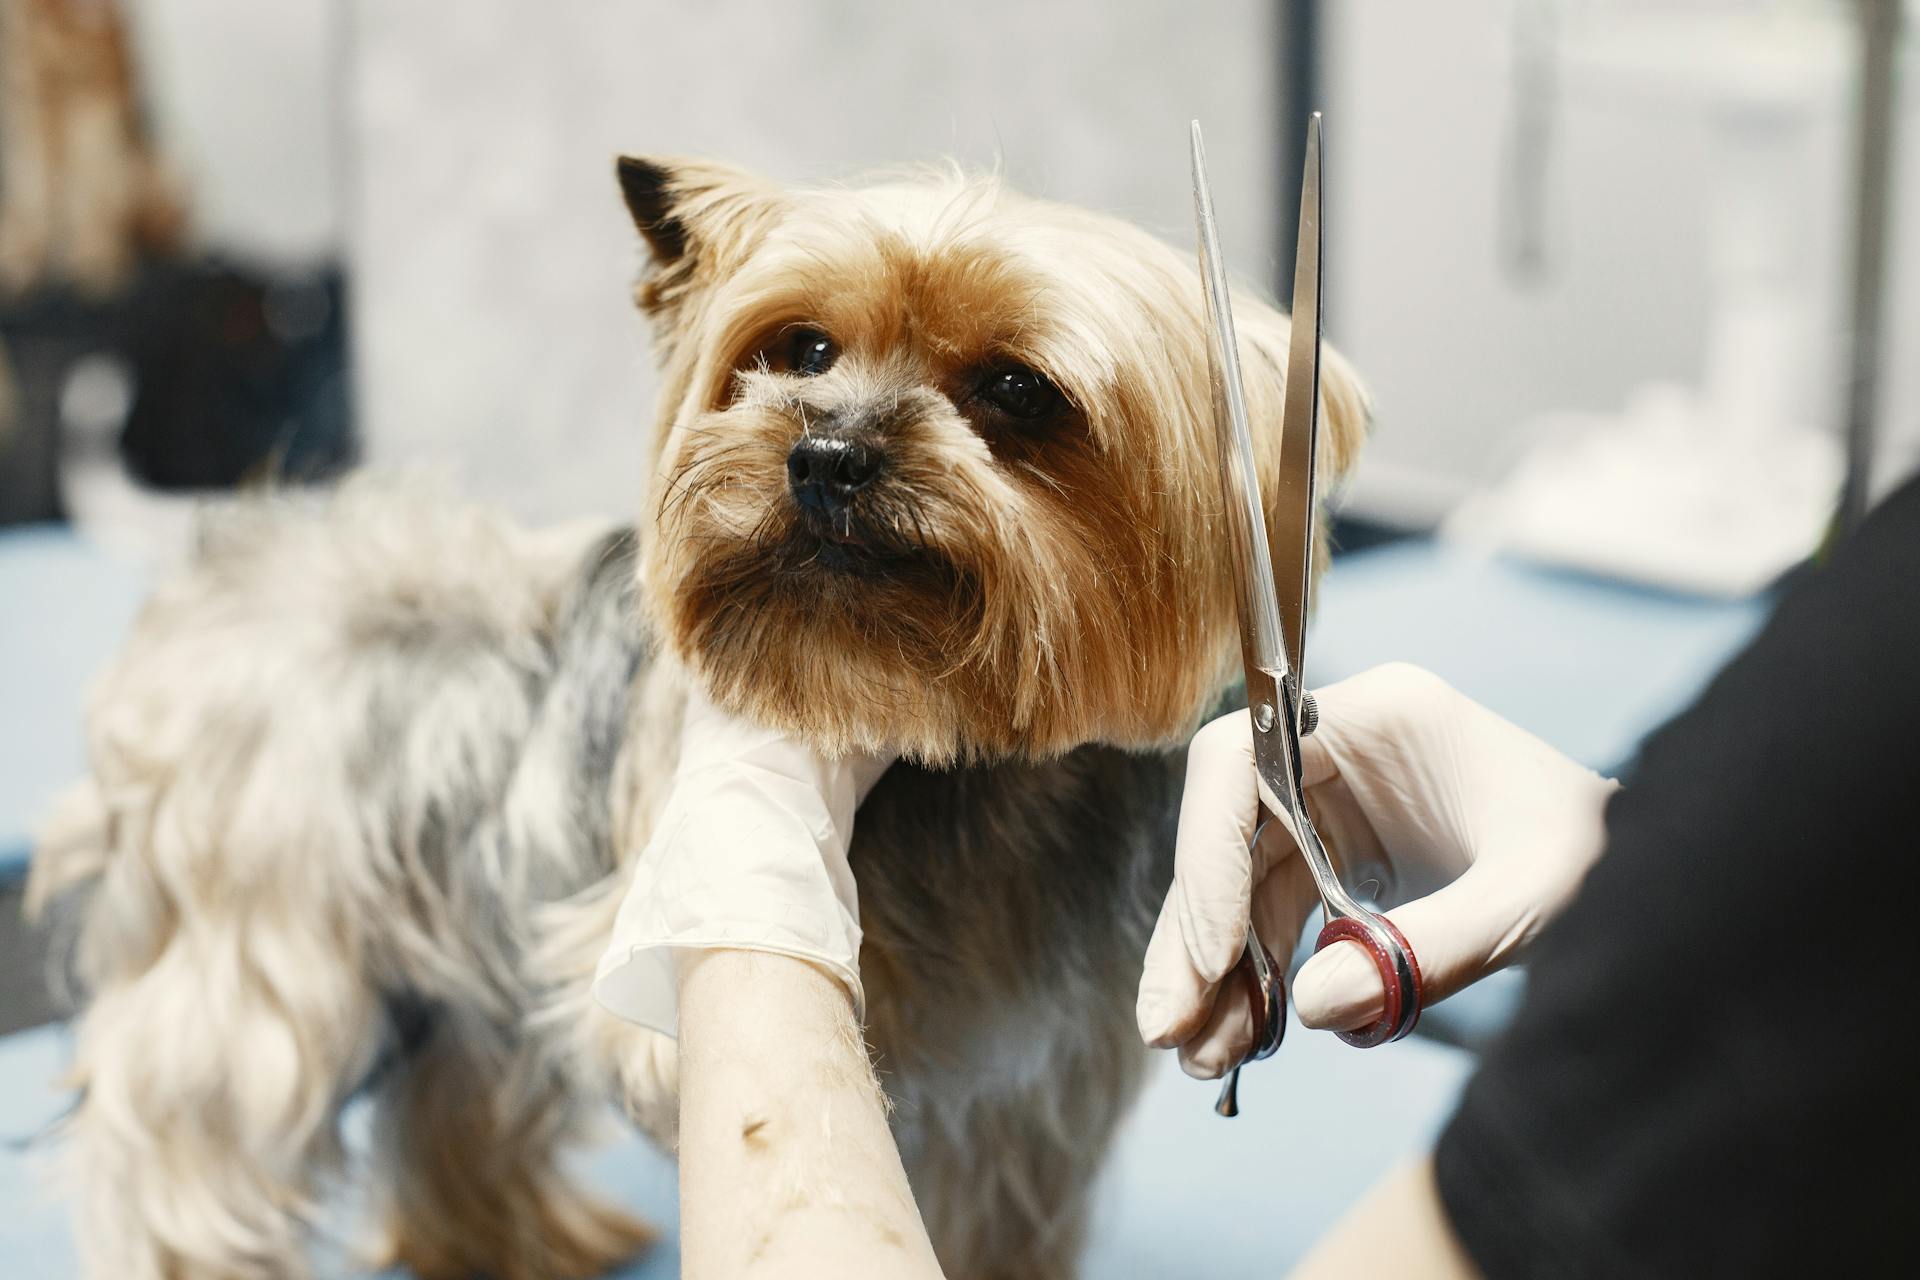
(493, 260)
(243, 97)
(1653, 495)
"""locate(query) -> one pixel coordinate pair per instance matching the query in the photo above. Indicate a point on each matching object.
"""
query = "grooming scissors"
(1273, 594)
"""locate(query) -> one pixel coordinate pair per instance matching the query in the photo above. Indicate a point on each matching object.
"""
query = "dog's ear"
(1346, 408)
(644, 184)
(699, 220)
(1346, 413)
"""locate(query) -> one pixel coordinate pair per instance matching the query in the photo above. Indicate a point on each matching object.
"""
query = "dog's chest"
(1006, 909)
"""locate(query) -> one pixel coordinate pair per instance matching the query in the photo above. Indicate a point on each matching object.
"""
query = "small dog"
(935, 471)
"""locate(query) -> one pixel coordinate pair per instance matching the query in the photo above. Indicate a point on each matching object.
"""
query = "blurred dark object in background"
(207, 371)
(83, 199)
(235, 376)
(40, 341)
(218, 373)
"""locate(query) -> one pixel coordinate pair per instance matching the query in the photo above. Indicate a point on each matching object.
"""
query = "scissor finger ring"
(1399, 972)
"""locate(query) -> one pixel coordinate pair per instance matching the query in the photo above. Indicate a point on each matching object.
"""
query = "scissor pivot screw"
(1263, 717)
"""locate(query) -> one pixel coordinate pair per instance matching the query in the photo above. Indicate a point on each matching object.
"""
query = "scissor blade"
(1260, 620)
(1300, 422)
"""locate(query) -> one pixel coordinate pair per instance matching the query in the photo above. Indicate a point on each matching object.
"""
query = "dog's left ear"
(699, 220)
(1346, 413)
(644, 184)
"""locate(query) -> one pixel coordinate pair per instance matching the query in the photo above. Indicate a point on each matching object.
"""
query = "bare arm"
(787, 1167)
(1399, 1229)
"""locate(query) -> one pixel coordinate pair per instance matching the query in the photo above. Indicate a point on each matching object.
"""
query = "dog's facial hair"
(1029, 554)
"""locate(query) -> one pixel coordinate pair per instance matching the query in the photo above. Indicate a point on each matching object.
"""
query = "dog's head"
(936, 465)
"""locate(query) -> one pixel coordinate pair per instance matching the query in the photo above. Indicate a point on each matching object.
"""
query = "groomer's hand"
(749, 854)
(740, 935)
(1477, 829)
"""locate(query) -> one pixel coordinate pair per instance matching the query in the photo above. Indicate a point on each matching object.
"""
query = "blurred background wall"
(493, 326)
(494, 259)
(171, 274)
(1523, 199)
(247, 101)
(1431, 181)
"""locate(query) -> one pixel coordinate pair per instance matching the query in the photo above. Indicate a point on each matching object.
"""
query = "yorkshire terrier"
(935, 471)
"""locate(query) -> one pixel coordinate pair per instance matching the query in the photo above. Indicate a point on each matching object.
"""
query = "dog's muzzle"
(825, 472)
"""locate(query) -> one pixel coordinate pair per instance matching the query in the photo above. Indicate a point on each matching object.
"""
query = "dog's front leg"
(1004, 1183)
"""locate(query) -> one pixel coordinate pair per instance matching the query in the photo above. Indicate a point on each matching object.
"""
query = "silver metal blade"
(1260, 618)
(1300, 423)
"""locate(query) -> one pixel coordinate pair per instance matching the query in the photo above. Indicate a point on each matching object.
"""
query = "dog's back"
(342, 757)
(361, 779)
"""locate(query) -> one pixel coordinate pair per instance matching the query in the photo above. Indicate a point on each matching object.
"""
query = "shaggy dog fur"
(368, 778)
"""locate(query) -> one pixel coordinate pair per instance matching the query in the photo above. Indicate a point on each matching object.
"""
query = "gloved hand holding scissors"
(1480, 831)
(1407, 783)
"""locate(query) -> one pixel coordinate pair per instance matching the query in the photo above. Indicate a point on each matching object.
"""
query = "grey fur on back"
(401, 728)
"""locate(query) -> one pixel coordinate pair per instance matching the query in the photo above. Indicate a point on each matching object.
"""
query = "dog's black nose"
(824, 472)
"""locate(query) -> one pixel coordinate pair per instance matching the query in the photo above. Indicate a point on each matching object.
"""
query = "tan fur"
(1075, 589)
(83, 194)
(477, 1190)
(370, 776)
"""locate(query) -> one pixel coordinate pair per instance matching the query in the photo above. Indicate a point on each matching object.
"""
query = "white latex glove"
(1424, 798)
(749, 854)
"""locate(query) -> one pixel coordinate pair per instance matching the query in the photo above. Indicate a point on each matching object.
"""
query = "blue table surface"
(64, 608)
(1591, 666)
(1588, 665)
(1185, 1194)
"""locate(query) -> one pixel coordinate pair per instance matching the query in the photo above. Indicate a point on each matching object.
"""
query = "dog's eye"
(810, 352)
(1019, 392)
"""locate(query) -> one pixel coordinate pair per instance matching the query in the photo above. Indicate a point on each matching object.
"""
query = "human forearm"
(1400, 1228)
(787, 1166)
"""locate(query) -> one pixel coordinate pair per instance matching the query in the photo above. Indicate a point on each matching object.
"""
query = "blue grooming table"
(64, 607)
(1186, 1194)
(1590, 666)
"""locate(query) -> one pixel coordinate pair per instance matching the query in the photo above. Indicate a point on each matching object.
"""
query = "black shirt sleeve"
(1709, 1075)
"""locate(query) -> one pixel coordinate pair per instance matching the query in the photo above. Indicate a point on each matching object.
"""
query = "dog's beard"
(950, 613)
(1027, 575)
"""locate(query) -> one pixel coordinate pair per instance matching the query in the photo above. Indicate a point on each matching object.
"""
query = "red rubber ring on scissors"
(1348, 929)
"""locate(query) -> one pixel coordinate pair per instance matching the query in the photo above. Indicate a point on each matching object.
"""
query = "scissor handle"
(1404, 989)
(1264, 981)
(1260, 976)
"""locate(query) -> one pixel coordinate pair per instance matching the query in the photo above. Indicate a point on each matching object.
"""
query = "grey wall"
(246, 100)
(1462, 358)
(493, 259)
